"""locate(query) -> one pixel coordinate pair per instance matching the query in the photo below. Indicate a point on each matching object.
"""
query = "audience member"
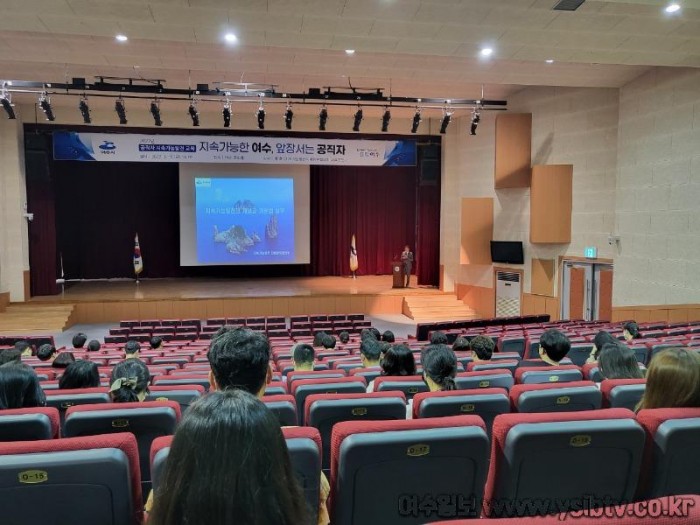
(81, 374)
(617, 361)
(79, 340)
(439, 367)
(438, 338)
(328, 342)
(370, 352)
(375, 333)
(132, 349)
(63, 360)
(482, 348)
(24, 348)
(129, 382)
(46, 352)
(365, 333)
(156, 343)
(318, 339)
(461, 344)
(344, 337)
(240, 359)
(398, 361)
(94, 346)
(10, 355)
(599, 341)
(388, 336)
(303, 357)
(631, 331)
(554, 345)
(238, 471)
(673, 380)
(19, 387)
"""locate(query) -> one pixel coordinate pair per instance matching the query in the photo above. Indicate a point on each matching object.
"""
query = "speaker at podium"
(397, 272)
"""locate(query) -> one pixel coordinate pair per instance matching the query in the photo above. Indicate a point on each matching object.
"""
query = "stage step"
(35, 318)
(439, 307)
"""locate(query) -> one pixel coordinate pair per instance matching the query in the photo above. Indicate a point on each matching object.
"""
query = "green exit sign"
(590, 252)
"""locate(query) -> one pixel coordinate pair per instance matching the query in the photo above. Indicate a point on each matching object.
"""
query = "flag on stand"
(353, 257)
(138, 261)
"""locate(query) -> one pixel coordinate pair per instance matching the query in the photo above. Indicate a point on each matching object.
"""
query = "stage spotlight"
(416, 121)
(476, 118)
(385, 120)
(261, 116)
(84, 110)
(357, 119)
(226, 113)
(45, 103)
(288, 116)
(446, 118)
(120, 108)
(155, 111)
(194, 114)
(322, 119)
(6, 101)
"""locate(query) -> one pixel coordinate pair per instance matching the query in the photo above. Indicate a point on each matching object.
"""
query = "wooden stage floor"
(189, 289)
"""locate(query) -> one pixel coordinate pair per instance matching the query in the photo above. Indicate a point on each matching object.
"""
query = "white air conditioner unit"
(507, 294)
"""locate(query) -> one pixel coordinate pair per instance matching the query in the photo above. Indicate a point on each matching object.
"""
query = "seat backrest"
(81, 481)
(556, 459)
(591, 372)
(622, 393)
(480, 366)
(179, 380)
(184, 395)
(63, 399)
(29, 424)
(556, 397)
(147, 421)
(409, 385)
(341, 385)
(376, 465)
(512, 344)
(671, 461)
(313, 374)
(500, 378)
(323, 411)
(579, 353)
(486, 403)
(285, 408)
(548, 374)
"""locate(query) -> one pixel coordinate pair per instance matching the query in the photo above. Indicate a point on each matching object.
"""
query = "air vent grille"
(568, 5)
(508, 276)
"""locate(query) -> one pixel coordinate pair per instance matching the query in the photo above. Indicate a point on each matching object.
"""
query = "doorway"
(586, 291)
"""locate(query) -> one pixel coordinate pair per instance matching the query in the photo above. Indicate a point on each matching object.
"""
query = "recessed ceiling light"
(349, 51)
(121, 38)
(230, 38)
(486, 52)
(549, 61)
(673, 7)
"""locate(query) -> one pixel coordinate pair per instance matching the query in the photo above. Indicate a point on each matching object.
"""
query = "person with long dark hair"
(228, 464)
(599, 341)
(617, 361)
(439, 367)
(398, 360)
(81, 374)
(129, 382)
(19, 387)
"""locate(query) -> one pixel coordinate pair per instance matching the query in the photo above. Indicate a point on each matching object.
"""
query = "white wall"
(658, 190)
(570, 126)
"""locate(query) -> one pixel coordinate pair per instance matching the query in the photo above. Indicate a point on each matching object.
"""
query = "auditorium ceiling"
(413, 47)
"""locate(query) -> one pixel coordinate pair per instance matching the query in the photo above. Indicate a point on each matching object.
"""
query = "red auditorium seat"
(672, 461)
(499, 378)
(562, 458)
(548, 374)
(622, 393)
(579, 353)
(379, 467)
(486, 403)
(673, 510)
(62, 400)
(147, 421)
(323, 411)
(276, 388)
(512, 343)
(556, 397)
(313, 374)
(591, 372)
(303, 388)
(184, 379)
(500, 356)
(370, 373)
(184, 395)
(409, 385)
(285, 408)
(79, 481)
(480, 366)
(29, 424)
(303, 443)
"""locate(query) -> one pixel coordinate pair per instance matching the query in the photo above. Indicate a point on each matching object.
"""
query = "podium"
(397, 272)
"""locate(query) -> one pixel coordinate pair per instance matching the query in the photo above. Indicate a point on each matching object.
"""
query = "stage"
(115, 300)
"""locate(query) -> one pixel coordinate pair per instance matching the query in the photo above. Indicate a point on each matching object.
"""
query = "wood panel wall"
(542, 275)
(513, 150)
(477, 231)
(481, 299)
(4, 300)
(550, 204)
(539, 304)
(669, 313)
